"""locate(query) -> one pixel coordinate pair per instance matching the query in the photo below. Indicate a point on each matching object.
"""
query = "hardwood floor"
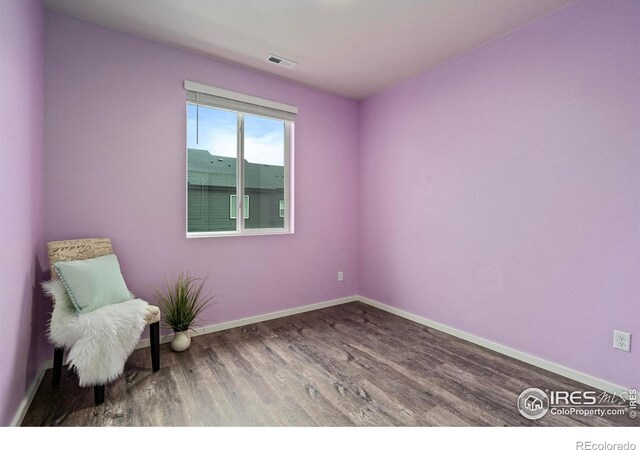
(346, 365)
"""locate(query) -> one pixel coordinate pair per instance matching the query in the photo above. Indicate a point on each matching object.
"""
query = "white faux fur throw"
(99, 341)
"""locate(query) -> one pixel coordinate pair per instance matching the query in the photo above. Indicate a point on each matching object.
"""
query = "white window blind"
(202, 94)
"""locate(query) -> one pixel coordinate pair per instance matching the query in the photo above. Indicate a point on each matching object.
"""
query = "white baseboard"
(31, 392)
(508, 351)
(254, 319)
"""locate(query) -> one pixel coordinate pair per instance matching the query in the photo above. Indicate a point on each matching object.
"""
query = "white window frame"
(247, 104)
(233, 211)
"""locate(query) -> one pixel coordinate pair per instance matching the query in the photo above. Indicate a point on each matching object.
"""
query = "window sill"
(257, 232)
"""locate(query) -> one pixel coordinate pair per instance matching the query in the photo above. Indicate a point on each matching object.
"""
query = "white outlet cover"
(622, 340)
(340, 276)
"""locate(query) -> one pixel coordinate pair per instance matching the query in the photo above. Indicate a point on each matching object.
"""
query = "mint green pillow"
(93, 283)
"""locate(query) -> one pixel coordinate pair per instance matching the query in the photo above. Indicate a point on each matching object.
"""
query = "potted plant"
(181, 302)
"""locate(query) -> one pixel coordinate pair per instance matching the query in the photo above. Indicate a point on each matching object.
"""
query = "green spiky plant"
(182, 301)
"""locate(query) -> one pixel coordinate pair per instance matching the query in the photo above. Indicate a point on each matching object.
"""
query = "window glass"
(212, 141)
(264, 175)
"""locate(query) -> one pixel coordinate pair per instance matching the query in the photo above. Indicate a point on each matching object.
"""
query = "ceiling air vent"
(281, 61)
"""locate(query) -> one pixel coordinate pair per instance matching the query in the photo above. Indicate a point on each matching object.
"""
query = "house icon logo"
(533, 403)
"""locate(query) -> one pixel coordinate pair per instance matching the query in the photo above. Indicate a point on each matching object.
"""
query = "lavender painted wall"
(115, 166)
(500, 192)
(21, 192)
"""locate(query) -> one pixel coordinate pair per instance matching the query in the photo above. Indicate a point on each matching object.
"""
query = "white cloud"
(259, 148)
(265, 149)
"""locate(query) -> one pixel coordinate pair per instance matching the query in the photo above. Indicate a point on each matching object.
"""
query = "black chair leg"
(58, 356)
(154, 338)
(98, 394)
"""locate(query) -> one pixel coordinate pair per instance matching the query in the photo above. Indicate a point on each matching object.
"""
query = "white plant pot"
(181, 341)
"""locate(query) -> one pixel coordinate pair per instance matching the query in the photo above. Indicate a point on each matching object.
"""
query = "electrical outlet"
(622, 340)
(340, 276)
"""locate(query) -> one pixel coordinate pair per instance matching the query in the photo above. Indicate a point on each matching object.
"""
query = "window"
(233, 206)
(238, 147)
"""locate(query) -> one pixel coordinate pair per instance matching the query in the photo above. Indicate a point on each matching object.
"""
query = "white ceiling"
(354, 48)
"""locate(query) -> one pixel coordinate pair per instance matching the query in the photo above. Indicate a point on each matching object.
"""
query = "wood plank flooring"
(348, 365)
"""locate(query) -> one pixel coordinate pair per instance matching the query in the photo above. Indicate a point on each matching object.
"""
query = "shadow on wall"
(39, 348)
(31, 343)
(32, 338)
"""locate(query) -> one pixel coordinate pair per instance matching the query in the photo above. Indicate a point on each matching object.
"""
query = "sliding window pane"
(212, 142)
(264, 154)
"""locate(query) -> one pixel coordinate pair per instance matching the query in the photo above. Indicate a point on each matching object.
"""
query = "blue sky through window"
(217, 133)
